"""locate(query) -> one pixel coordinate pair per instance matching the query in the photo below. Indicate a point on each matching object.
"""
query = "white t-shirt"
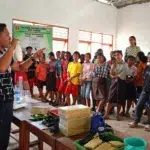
(132, 71)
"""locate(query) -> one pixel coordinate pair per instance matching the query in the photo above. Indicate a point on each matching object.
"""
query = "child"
(130, 86)
(64, 65)
(58, 55)
(86, 79)
(73, 73)
(41, 73)
(62, 54)
(118, 74)
(58, 74)
(99, 89)
(82, 58)
(51, 77)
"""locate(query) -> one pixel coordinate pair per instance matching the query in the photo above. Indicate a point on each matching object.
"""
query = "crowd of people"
(116, 82)
(120, 82)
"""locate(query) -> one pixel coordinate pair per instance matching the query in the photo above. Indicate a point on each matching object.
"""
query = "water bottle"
(20, 83)
(17, 95)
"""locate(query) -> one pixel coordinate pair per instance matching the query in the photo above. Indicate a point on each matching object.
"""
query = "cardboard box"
(76, 111)
(75, 122)
(40, 110)
(74, 130)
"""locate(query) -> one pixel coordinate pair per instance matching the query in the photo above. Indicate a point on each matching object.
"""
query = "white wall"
(75, 14)
(134, 20)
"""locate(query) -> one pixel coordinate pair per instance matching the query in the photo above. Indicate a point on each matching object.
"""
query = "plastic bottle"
(17, 95)
(20, 83)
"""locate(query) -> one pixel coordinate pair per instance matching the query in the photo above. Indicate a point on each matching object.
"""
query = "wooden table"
(21, 119)
(57, 141)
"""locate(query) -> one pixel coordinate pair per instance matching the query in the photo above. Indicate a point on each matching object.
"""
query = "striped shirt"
(132, 51)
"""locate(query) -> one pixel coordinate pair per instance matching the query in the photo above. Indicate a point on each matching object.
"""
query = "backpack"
(97, 124)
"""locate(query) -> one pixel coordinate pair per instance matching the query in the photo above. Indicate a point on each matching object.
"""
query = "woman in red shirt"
(64, 65)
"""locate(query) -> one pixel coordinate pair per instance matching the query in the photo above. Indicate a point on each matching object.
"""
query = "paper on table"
(39, 125)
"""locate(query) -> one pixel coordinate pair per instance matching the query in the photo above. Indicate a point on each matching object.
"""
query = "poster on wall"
(34, 36)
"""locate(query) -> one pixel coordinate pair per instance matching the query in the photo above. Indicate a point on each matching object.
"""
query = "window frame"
(48, 25)
(101, 42)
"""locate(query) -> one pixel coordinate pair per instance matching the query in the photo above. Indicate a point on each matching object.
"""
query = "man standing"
(7, 47)
(143, 99)
(31, 70)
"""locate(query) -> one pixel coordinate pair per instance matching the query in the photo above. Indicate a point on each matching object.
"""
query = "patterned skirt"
(117, 92)
(99, 89)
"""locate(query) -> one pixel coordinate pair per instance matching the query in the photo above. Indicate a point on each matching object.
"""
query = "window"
(60, 34)
(90, 42)
(60, 39)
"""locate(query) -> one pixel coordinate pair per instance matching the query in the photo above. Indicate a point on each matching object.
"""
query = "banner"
(34, 36)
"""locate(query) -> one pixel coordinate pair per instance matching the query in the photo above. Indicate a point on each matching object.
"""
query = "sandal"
(147, 128)
(133, 125)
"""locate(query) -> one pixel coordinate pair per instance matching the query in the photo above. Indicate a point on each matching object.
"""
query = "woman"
(51, 77)
(118, 74)
(133, 49)
(142, 59)
(99, 81)
(86, 79)
(99, 51)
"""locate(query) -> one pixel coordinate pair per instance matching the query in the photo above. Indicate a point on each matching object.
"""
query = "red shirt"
(64, 65)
